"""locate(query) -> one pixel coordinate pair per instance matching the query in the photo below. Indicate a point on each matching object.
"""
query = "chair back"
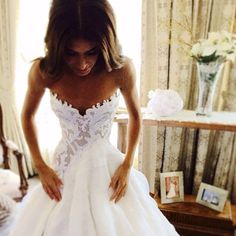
(1, 122)
(6, 148)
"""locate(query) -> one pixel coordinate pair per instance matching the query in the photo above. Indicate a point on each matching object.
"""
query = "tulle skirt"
(85, 208)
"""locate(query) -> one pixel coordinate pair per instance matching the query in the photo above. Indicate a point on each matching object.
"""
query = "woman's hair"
(92, 20)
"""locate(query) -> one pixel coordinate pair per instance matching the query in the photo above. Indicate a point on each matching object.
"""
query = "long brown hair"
(92, 20)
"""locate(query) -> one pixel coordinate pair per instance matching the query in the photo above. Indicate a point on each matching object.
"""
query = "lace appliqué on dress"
(80, 131)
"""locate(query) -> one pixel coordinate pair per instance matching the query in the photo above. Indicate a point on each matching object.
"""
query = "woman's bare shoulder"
(126, 74)
(128, 66)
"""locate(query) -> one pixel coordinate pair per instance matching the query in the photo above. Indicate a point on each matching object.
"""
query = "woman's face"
(81, 56)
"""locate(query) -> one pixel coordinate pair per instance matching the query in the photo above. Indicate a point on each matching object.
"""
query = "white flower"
(208, 50)
(227, 35)
(218, 44)
(196, 49)
(224, 47)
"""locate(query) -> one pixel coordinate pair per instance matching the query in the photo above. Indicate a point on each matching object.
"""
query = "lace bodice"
(80, 131)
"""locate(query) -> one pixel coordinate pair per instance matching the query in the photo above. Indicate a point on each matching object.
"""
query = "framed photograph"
(172, 188)
(212, 197)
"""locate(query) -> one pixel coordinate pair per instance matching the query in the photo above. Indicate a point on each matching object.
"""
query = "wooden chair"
(6, 149)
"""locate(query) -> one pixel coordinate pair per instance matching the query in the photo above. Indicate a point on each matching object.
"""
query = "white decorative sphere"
(164, 102)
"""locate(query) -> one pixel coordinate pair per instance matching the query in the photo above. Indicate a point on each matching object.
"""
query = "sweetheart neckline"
(85, 113)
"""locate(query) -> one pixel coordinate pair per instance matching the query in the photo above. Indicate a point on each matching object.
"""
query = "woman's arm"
(128, 89)
(129, 92)
(32, 100)
(35, 91)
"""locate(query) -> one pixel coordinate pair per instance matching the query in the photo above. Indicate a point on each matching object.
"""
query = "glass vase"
(208, 75)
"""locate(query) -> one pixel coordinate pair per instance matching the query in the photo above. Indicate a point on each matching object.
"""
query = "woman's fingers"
(119, 183)
(56, 188)
(119, 194)
(49, 192)
(114, 185)
(59, 181)
(56, 192)
(51, 183)
(113, 182)
(53, 190)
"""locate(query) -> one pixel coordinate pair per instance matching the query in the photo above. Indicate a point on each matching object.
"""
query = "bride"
(91, 189)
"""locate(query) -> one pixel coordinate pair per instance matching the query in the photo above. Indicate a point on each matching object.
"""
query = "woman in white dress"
(91, 189)
(172, 193)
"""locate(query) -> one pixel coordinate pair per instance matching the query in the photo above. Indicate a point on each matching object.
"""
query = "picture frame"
(212, 197)
(172, 187)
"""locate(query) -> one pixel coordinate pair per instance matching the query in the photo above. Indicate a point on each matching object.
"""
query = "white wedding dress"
(171, 192)
(86, 161)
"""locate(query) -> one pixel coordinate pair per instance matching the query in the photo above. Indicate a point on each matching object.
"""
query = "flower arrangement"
(218, 46)
(210, 54)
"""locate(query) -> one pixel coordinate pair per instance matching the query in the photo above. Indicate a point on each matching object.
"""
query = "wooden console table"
(189, 217)
(187, 119)
(193, 219)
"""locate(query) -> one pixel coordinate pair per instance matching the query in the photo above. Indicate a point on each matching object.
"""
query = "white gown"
(171, 192)
(86, 160)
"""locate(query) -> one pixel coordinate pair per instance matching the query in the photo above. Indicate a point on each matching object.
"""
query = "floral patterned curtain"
(167, 27)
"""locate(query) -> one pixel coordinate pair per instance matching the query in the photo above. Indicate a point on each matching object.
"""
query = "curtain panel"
(11, 125)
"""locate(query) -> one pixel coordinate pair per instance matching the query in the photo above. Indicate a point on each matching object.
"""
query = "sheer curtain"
(129, 30)
(8, 27)
(202, 155)
(33, 22)
(30, 45)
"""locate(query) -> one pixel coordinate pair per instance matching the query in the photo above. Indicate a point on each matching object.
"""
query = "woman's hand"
(119, 182)
(51, 182)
